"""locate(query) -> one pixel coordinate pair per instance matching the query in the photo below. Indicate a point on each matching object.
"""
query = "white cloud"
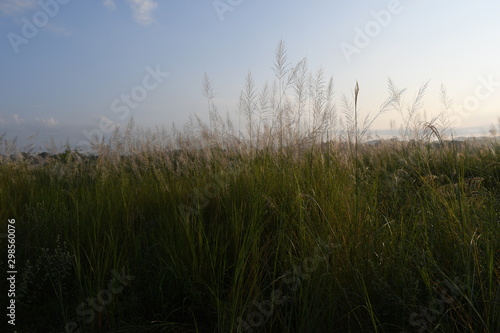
(15, 7)
(17, 119)
(48, 122)
(57, 29)
(109, 4)
(143, 10)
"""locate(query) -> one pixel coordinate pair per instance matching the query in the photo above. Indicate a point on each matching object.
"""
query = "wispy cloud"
(51, 122)
(57, 29)
(15, 7)
(110, 4)
(143, 10)
(17, 119)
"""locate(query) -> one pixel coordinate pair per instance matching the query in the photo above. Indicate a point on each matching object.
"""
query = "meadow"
(295, 223)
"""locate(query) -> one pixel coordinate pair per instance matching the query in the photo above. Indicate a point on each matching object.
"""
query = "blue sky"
(65, 64)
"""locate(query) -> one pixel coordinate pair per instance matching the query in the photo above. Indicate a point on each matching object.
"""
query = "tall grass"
(218, 219)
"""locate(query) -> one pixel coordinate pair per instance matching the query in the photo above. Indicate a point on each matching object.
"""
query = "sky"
(70, 68)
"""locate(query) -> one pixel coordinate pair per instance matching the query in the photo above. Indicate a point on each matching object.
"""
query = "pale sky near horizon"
(66, 64)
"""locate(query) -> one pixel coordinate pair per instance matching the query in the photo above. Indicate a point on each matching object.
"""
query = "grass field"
(203, 231)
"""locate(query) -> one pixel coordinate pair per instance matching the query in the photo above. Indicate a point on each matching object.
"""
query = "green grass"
(202, 230)
(250, 219)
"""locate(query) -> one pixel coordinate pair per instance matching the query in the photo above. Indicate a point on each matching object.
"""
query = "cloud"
(109, 4)
(57, 30)
(51, 122)
(143, 10)
(17, 119)
(15, 7)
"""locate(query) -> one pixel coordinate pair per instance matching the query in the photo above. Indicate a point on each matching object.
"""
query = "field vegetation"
(291, 220)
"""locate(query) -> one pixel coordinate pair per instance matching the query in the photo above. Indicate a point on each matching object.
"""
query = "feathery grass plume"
(445, 124)
(430, 129)
(247, 107)
(263, 114)
(411, 121)
(216, 129)
(356, 149)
